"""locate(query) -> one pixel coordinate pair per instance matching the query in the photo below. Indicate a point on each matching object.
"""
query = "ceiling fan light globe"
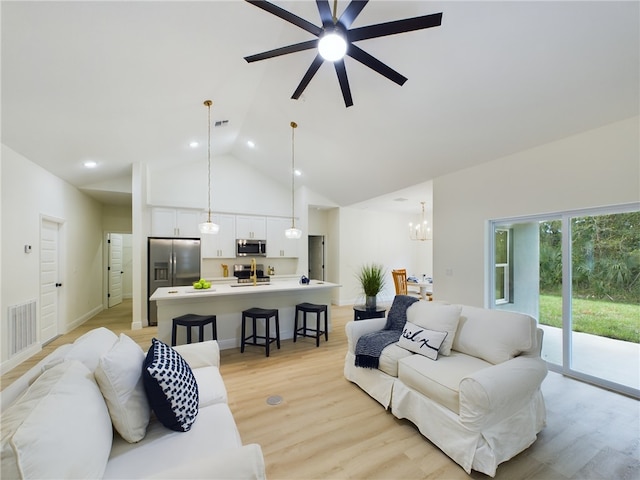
(332, 46)
(209, 228)
(293, 233)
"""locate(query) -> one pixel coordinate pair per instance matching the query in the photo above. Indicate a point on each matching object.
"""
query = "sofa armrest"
(243, 463)
(497, 392)
(202, 354)
(355, 329)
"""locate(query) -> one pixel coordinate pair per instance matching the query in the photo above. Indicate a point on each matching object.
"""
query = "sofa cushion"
(91, 346)
(421, 340)
(494, 335)
(162, 450)
(119, 376)
(437, 316)
(60, 427)
(439, 380)
(171, 388)
(389, 359)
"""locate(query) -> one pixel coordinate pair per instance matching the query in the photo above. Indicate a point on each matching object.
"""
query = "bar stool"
(304, 330)
(192, 320)
(252, 339)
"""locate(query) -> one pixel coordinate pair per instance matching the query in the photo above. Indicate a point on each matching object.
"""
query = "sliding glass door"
(578, 273)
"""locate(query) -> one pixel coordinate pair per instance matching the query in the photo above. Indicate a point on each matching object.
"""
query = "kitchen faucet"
(254, 272)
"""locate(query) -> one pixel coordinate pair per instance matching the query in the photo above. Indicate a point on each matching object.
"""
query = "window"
(502, 251)
(578, 274)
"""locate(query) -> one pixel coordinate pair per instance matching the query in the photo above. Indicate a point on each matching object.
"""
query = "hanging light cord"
(208, 103)
(293, 173)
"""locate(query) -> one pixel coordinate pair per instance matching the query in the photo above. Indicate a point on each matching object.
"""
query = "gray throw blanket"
(370, 345)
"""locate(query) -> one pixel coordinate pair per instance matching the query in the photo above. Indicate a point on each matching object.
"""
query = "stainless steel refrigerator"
(171, 262)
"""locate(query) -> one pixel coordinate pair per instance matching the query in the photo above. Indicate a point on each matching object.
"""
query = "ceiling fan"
(338, 30)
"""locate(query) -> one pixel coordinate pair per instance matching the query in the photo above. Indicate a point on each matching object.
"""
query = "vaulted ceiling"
(123, 82)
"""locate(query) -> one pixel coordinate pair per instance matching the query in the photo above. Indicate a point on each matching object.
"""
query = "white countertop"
(221, 290)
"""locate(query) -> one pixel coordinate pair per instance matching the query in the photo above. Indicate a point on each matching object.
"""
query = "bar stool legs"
(260, 340)
(305, 331)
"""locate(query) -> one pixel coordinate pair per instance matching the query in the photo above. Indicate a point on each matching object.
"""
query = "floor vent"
(22, 326)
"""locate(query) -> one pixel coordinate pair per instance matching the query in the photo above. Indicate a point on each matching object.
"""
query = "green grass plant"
(620, 321)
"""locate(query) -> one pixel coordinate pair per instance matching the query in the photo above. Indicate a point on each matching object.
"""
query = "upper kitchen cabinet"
(174, 222)
(222, 244)
(277, 244)
(248, 227)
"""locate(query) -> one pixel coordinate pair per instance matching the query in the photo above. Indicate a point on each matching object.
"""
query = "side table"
(361, 312)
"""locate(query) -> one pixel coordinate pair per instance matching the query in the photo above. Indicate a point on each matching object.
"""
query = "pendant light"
(420, 231)
(293, 232)
(209, 227)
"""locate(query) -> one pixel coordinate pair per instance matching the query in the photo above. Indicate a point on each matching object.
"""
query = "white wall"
(596, 168)
(367, 236)
(236, 188)
(28, 193)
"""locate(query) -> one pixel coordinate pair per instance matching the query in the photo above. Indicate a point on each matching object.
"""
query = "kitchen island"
(227, 301)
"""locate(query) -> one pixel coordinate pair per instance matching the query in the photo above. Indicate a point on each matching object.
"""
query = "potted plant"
(372, 279)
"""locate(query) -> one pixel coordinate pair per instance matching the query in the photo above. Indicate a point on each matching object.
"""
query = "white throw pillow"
(91, 346)
(60, 427)
(421, 340)
(440, 317)
(119, 376)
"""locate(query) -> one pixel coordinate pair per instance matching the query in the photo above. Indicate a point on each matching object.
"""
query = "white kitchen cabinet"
(222, 244)
(279, 246)
(249, 227)
(175, 222)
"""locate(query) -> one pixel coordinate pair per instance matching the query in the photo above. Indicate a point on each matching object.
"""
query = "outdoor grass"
(606, 319)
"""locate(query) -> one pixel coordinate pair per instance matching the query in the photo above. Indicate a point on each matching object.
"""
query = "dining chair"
(400, 281)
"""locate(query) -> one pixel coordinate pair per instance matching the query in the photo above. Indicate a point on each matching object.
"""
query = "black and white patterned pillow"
(171, 388)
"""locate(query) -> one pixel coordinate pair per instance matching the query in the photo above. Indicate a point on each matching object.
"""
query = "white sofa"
(69, 415)
(480, 403)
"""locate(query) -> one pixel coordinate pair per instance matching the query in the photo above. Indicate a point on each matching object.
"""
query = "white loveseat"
(480, 403)
(69, 415)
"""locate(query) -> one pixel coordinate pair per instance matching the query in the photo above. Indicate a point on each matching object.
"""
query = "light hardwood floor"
(327, 428)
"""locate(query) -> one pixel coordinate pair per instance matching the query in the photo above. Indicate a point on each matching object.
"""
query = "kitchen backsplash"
(212, 267)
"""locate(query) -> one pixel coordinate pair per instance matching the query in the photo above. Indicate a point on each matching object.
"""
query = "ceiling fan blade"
(394, 27)
(315, 65)
(287, 16)
(344, 82)
(325, 12)
(375, 64)
(296, 47)
(351, 12)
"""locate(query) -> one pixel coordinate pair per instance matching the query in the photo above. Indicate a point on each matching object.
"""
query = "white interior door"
(115, 269)
(49, 280)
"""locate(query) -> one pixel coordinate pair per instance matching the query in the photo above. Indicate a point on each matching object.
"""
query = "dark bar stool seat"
(305, 331)
(260, 340)
(192, 320)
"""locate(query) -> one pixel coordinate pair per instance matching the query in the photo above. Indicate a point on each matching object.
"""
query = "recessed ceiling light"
(250, 144)
(90, 164)
(297, 173)
(193, 144)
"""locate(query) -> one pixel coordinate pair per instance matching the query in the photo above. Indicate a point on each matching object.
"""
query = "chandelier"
(293, 232)
(209, 227)
(421, 230)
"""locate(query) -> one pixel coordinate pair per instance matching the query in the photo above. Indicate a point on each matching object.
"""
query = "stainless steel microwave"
(251, 248)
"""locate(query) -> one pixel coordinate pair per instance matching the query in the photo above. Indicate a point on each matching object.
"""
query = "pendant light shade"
(421, 230)
(208, 227)
(293, 232)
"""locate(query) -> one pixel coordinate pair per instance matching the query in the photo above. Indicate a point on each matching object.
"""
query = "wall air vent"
(221, 123)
